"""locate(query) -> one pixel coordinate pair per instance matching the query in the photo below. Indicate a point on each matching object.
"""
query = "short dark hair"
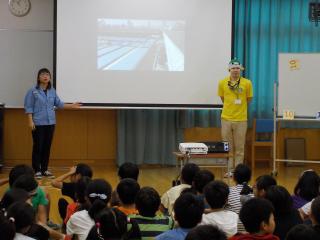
(264, 182)
(43, 70)
(7, 228)
(201, 179)
(308, 185)
(242, 174)
(254, 212)
(26, 182)
(12, 196)
(127, 190)
(216, 194)
(188, 210)
(23, 215)
(280, 199)
(206, 232)
(19, 170)
(188, 172)
(128, 170)
(80, 189)
(84, 170)
(302, 231)
(315, 209)
(147, 201)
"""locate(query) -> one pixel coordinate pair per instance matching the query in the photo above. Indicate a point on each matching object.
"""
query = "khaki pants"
(234, 133)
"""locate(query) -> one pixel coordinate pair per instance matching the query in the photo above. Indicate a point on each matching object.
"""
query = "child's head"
(112, 224)
(127, 190)
(17, 171)
(82, 170)
(147, 201)
(242, 174)
(7, 228)
(188, 210)
(262, 184)
(80, 189)
(23, 216)
(315, 211)
(188, 172)
(257, 216)
(12, 196)
(308, 185)
(98, 195)
(128, 170)
(27, 183)
(302, 231)
(201, 179)
(280, 199)
(216, 194)
(206, 232)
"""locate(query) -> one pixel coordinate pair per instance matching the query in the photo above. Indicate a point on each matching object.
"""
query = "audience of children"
(257, 217)
(285, 215)
(188, 209)
(206, 232)
(307, 188)
(216, 194)
(150, 224)
(268, 214)
(168, 198)
(68, 188)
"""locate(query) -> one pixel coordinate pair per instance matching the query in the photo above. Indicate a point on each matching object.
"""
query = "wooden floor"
(161, 178)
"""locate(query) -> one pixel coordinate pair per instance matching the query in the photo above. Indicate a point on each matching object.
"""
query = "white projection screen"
(161, 53)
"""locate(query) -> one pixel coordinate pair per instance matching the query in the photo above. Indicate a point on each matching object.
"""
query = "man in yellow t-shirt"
(235, 93)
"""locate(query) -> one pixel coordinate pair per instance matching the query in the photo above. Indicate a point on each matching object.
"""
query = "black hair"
(264, 182)
(188, 210)
(26, 182)
(43, 70)
(127, 190)
(280, 199)
(80, 189)
(188, 172)
(254, 212)
(7, 228)
(147, 201)
(242, 174)
(19, 170)
(12, 196)
(128, 170)
(216, 194)
(206, 232)
(189, 190)
(22, 214)
(84, 170)
(308, 185)
(302, 231)
(99, 194)
(113, 224)
(315, 209)
(201, 179)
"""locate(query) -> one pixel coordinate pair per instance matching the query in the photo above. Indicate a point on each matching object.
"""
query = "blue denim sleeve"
(29, 102)
(57, 102)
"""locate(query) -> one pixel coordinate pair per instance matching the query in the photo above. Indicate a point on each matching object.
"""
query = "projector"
(193, 148)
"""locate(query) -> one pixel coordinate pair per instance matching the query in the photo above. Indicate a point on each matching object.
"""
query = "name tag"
(237, 101)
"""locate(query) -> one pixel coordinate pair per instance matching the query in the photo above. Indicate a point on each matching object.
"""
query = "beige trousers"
(234, 133)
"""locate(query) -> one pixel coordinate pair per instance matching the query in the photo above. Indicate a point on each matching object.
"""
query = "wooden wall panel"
(80, 135)
(102, 134)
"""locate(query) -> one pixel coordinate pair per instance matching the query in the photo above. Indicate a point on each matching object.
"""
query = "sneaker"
(48, 174)
(53, 225)
(38, 175)
(228, 175)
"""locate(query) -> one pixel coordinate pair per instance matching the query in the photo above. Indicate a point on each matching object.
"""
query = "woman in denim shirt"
(40, 103)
